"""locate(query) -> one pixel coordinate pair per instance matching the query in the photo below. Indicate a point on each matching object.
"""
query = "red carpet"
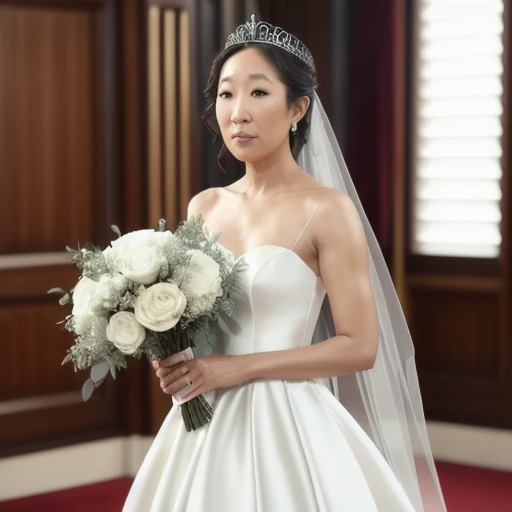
(470, 489)
(466, 489)
(101, 497)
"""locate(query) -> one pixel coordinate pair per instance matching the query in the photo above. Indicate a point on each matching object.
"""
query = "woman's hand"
(205, 374)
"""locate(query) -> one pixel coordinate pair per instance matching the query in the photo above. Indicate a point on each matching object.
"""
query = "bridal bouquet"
(149, 292)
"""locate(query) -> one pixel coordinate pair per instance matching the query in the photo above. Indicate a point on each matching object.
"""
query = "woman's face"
(251, 107)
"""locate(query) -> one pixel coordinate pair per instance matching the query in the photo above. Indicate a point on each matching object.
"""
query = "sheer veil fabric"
(385, 400)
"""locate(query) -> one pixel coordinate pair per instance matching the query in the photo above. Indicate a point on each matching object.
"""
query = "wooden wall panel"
(49, 117)
(467, 347)
(74, 159)
(461, 356)
(58, 186)
(36, 346)
(40, 400)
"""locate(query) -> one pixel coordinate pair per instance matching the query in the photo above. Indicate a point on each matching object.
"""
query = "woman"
(279, 440)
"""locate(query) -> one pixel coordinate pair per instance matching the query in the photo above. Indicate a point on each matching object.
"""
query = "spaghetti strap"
(306, 226)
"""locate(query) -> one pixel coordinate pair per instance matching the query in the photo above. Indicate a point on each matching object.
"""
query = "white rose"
(114, 254)
(161, 239)
(125, 332)
(160, 306)
(205, 281)
(142, 264)
(136, 241)
(142, 237)
(131, 239)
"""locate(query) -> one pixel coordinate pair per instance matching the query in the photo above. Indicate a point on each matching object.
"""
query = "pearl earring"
(294, 127)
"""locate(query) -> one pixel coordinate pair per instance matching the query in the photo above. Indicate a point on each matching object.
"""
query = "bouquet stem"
(196, 413)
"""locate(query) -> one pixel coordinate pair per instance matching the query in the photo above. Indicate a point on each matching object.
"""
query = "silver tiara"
(262, 32)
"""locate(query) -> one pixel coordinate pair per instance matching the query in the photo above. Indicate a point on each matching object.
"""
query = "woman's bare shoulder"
(337, 216)
(335, 199)
(330, 200)
(204, 201)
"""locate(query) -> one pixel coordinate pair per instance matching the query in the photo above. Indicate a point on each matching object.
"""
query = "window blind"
(458, 128)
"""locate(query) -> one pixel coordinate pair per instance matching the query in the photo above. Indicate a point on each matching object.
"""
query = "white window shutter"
(458, 128)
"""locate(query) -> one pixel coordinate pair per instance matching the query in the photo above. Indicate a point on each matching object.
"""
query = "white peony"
(160, 307)
(91, 324)
(110, 288)
(125, 332)
(98, 296)
(85, 297)
(205, 282)
(82, 324)
(92, 299)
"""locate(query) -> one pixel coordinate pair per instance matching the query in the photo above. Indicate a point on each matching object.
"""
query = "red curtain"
(375, 140)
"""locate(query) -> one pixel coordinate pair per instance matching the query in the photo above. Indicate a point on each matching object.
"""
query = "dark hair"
(298, 78)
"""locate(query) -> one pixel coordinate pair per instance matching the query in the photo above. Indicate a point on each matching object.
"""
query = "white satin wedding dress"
(272, 445)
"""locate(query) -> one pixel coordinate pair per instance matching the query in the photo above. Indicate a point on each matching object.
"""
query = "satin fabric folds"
(273, 445)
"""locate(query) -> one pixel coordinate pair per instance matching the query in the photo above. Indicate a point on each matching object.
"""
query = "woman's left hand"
(205, 373)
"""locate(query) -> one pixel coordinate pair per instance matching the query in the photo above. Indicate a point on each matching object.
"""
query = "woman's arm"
(344, 269)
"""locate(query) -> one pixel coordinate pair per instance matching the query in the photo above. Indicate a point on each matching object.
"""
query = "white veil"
(385, 400)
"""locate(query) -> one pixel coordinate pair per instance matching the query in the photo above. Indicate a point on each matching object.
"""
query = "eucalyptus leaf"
(99, 383)
(99, 371)
(162, 225)
(116, 230)
(56, 290)
(87, 389)
(231, 323)
(64, 299)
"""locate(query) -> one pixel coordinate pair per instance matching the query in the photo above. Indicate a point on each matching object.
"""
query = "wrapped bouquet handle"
(196, 412)
(177, 398)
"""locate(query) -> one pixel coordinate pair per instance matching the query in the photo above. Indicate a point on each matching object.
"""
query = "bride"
(316, 401)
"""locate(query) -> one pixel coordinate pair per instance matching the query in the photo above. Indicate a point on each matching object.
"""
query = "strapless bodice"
(277, 307)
